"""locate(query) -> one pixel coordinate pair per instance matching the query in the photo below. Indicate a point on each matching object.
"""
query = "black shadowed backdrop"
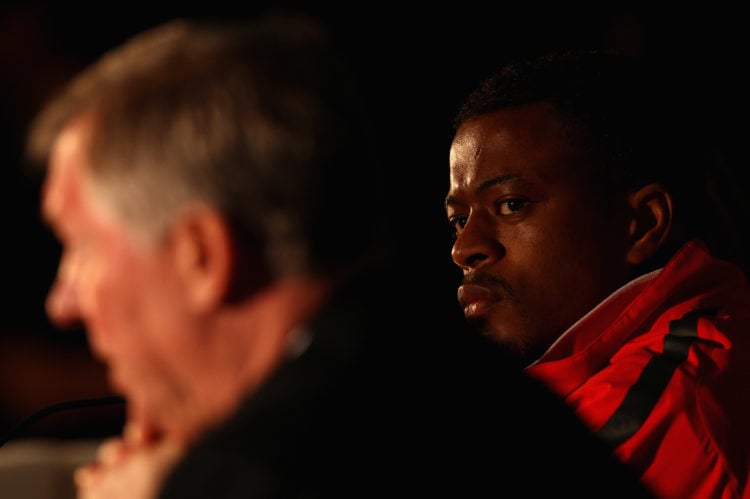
(414, 66)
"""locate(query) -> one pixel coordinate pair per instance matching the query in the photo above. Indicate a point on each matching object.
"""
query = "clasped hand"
(127, 467)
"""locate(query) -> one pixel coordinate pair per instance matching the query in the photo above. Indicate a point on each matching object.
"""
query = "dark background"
(414, 65)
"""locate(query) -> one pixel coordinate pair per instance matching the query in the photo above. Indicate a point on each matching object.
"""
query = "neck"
(244, 345)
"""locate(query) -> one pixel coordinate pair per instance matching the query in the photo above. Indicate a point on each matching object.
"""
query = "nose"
(61, 304)
(477, 244)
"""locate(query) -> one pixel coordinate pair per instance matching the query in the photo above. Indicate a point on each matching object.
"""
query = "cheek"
(564, 238)
(538, 253)
(567, 268)
(120, 303)
(547, 264)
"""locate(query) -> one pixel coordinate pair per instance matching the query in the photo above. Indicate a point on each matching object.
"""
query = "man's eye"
(456, 225)
(511, 206)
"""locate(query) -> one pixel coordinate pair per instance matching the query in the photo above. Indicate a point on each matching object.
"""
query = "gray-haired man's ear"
(204, 253)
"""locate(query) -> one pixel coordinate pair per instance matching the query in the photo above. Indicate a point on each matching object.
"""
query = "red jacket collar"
(692, 278)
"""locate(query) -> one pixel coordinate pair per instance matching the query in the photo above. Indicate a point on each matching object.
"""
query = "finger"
(135, 433)
(112, 451)
(140, 433)
(84, 477)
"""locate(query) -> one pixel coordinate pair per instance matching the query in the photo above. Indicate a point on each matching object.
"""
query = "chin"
(508, 342)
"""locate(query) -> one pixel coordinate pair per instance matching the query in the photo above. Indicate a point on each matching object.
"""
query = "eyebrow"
(505, 177)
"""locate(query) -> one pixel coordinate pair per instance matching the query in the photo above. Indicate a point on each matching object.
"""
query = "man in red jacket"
(586, 232)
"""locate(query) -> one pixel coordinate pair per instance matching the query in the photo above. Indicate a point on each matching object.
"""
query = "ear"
(651, 222)
(204, 252)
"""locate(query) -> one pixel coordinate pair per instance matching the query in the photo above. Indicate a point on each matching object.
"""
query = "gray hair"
(258, 120)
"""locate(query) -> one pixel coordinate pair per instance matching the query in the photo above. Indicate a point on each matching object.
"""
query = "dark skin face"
(538, 244)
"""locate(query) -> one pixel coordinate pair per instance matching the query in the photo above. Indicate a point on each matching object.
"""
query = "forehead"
(525, 142)
(68, 196)
(62, 185)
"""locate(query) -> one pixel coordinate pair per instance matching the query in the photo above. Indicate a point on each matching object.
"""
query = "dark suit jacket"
(388, 403)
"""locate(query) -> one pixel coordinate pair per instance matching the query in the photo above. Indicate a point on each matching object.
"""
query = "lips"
(476, 299)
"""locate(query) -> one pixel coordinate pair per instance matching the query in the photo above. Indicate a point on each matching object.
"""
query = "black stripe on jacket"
(643, 395)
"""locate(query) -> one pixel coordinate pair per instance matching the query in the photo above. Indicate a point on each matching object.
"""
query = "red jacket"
(661, 370)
